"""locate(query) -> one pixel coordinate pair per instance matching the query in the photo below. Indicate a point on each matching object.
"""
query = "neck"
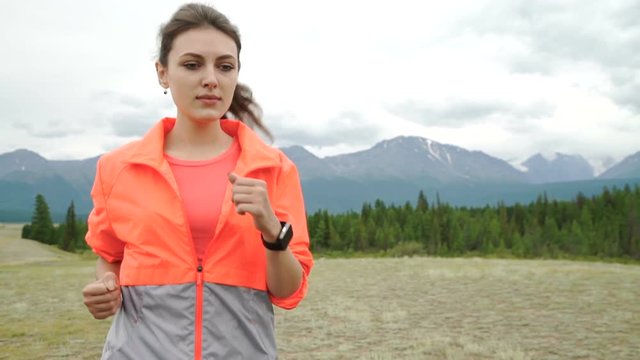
(196, 140)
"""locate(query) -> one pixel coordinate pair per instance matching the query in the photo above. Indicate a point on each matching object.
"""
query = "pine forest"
(602, 226)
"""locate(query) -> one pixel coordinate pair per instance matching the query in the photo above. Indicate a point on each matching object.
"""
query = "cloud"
(500, 76)
(127, 115)
(557, 36)
(626, 87)
(348, 127)
(565, 30)
(132, 123)
(461, 112)
(50, 130)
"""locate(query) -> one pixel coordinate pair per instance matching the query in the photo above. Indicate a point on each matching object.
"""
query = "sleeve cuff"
(291, 301)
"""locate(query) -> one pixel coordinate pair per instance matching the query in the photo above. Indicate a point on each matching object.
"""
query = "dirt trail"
(14, 250)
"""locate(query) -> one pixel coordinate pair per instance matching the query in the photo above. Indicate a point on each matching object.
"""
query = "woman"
(199, 226)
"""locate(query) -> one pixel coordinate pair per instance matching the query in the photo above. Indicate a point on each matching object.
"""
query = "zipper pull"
(199, 275)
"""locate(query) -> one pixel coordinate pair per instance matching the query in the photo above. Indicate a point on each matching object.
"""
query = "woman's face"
(202, 73)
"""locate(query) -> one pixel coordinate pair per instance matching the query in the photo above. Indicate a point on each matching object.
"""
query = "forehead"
(206, 41)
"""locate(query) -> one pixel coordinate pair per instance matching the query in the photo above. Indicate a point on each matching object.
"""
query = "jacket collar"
(254, 153)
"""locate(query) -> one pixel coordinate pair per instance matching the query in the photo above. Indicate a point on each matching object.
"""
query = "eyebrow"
(198, 56)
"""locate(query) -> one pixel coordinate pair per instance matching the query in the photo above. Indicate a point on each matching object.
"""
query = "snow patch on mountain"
(550, 156)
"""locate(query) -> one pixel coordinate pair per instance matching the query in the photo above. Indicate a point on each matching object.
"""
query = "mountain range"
(416, 158)
(393, 170)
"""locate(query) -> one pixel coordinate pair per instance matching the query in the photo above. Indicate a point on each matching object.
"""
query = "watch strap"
(282, 240)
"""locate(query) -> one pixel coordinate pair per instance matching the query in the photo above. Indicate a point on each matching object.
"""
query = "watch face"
(286, 229)
(285, 235)
(283, 239)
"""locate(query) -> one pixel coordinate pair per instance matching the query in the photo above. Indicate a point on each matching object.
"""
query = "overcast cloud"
(508, 77)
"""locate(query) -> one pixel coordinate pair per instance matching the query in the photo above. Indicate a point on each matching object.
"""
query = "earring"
(165, 91)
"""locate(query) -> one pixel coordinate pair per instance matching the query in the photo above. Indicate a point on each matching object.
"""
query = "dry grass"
(414, 308)
(14, 250)
(422, 308)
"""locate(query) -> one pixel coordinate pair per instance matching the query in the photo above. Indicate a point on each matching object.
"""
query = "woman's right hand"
(103, 297)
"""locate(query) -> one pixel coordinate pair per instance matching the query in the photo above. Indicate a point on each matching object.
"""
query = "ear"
(161, 71)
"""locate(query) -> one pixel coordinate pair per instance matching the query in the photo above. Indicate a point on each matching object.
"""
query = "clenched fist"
(103, 297)
(251, 196)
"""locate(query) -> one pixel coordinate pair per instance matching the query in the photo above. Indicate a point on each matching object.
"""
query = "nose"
(210, 79)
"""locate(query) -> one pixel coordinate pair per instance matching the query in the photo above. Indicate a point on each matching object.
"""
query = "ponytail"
(244, 108)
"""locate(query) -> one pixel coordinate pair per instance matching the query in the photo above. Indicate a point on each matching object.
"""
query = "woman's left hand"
(251, 196)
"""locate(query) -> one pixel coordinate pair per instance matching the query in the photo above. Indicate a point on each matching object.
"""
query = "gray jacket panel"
(154, 322)
(158, 322)
(238, 324)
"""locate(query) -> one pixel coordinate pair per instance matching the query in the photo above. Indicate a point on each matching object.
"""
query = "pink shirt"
(202, 186)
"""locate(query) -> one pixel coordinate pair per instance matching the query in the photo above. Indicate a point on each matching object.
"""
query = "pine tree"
(320, 234)
(82, 231)
(634, 229)
(360, 240)
(458, 220)
(41, 223)
(549, 239)
(333, 237)
(422, 205)
(26, 231)
(576, 243)
(68, 240)
(433, 239)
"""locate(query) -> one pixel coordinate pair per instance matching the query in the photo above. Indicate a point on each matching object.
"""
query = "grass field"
(411, 308)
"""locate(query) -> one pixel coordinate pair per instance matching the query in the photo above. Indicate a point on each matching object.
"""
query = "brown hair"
(191, 16)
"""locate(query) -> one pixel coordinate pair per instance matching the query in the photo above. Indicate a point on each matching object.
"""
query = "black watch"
(282, 241)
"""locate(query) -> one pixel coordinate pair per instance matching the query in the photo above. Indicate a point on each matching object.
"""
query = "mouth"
(209, 99)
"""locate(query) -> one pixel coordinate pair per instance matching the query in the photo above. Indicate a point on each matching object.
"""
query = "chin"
(208, 116)
(207, 119)
(201, 115)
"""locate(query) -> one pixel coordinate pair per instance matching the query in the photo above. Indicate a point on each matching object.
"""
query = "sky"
(510, 78)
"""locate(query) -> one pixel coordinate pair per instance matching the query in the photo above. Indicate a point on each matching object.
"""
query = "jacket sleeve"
(288, 204)
(100, 236)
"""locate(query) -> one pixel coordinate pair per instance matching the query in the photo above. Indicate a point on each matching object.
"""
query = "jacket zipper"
(199, 300)
(199, 276)
(197, 351)
(200, 287)
(199, 269)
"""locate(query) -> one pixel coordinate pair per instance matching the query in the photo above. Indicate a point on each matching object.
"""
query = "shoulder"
(254, 148)
(280, 159)
(283, 164)
(119, 154)
(284, 159)
(111, 163)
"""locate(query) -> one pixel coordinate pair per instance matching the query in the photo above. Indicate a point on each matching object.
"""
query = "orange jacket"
(138, 219)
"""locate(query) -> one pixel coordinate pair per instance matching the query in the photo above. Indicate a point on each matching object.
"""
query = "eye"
(226, 67)
(191, 65)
